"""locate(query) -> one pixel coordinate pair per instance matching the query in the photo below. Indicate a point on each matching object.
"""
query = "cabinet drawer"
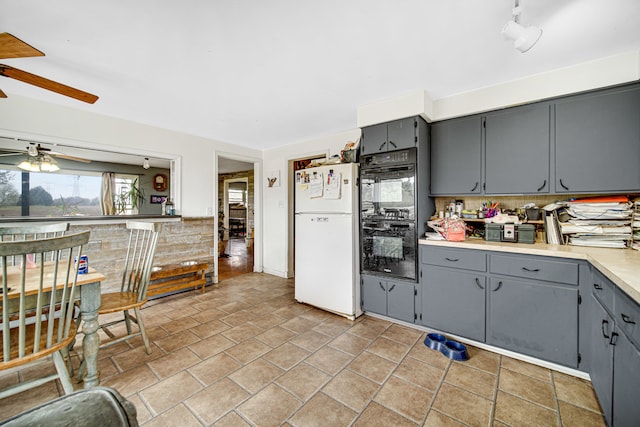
(534, 267)
(457, 258)
(628, 316)
(603, 290)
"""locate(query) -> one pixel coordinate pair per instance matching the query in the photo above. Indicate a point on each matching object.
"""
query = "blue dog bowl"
(435, 341)
(455, 351)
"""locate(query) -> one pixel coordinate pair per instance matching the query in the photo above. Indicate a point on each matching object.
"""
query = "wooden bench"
(175, 277)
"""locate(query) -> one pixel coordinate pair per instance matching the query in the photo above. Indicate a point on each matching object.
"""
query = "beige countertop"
(621, 266)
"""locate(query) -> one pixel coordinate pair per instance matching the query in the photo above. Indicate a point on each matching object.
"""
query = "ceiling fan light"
(30, 165)
(524, 38)
(47, 164)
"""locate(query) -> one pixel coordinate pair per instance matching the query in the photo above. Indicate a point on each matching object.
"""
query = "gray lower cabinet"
(454, 301)
(534, 318)
(393, 298)
(626, 383)
(615, 356)
(456, 157)
(601, 357)
(395, 135)
(597, 142)
(517, 147)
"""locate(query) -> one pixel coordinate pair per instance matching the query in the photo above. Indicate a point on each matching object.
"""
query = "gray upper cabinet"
(597, 141)
(517, 147)
(456, 156)
(396, 135)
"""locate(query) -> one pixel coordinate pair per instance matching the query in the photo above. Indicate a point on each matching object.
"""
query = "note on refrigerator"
(332, 187)
(316, 186)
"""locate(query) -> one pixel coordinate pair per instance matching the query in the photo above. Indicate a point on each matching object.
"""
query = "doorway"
(235, 218)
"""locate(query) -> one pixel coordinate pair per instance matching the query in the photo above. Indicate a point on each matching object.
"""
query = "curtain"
(106, 199)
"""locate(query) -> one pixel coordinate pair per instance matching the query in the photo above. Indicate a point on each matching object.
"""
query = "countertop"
(621, 266)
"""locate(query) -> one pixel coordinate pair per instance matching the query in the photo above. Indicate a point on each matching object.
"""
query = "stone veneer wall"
(188, 239)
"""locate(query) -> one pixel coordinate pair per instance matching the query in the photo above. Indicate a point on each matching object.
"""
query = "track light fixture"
(523, 37)
(145, 164)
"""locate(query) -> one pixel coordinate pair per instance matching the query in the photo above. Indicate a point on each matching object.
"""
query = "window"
(58, 194)
(236, 196)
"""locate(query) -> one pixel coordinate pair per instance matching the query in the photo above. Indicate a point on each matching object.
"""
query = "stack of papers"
(606, 223)
(635, 225)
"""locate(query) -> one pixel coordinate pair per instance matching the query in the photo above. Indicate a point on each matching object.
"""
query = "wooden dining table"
(89, 287)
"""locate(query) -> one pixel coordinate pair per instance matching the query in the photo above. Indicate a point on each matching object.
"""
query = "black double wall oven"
(388, 207)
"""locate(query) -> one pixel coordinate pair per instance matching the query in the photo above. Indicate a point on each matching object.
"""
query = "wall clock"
(160, 182)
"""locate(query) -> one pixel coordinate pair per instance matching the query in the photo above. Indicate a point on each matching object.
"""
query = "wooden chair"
(22, 233)
(37, 322)
(143, 238)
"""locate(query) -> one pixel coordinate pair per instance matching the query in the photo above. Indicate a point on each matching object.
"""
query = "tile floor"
(245, 353)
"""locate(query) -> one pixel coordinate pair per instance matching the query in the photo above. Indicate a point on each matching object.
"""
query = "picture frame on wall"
(157, 199)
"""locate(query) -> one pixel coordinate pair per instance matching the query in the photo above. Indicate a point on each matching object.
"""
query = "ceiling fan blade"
(13, 47)
(74, 158)
(32, 79)
(2, 94)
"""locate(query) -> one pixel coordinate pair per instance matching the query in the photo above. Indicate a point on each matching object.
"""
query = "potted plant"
(131, 197)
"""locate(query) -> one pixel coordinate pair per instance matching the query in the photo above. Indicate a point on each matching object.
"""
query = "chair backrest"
(32, 232)
(143, 239)
(35, 319)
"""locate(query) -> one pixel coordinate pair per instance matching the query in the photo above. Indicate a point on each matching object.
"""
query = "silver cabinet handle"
(531, 270)
(381, 287)
(544, 184)
(392, 286)
(498, 287)
(478, 283)
(562, 184)
(452, 259)
(474, 187)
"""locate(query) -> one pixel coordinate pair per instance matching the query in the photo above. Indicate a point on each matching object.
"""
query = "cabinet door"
(453, 302)
(532, 318)
(374, 139)
(517, 151)
(456, 157)
(401, 301)
(401, 134)
(601, 356)
(598, 142)
(626, 383)
(374, 295)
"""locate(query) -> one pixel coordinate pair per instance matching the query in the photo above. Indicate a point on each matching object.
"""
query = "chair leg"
(63, 374)
(143, 330)
(127, 320)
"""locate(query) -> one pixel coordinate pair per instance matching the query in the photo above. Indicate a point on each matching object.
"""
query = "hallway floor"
(245, 353)
(238, 259)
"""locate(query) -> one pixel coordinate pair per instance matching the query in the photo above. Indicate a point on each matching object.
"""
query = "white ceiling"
(263, 74)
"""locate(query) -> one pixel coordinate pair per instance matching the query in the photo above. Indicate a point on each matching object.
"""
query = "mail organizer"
(516, 233)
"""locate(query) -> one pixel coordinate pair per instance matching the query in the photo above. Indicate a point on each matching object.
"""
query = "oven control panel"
(390, 158)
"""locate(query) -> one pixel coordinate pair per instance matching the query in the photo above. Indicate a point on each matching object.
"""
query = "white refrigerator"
(327, 267)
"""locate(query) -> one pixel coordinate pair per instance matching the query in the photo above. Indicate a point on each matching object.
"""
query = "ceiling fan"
(13, 47)
(36, 151)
